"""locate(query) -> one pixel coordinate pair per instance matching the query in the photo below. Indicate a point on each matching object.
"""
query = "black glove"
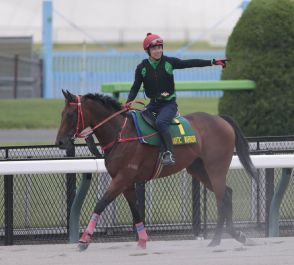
(222, 62)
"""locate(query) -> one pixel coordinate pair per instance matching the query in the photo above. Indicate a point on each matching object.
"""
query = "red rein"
(80, 133)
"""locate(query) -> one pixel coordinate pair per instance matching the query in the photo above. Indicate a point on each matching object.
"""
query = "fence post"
(70, 188)
(205, 212)
(276, 202)
(8, 202)
(47, 48)
(196, 211)
(8, 206)
(41, 76)
(74, 224)
(15, 83)
(269, 191)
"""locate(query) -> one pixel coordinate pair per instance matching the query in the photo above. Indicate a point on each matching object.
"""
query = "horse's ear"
(68, 96)
(64, 94)
(71, 97)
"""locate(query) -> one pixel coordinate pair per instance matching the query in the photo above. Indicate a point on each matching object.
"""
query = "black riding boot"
(167, 155)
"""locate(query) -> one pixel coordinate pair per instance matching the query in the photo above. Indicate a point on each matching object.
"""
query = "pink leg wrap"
(92, 224)
(143, 237)
(86, 236)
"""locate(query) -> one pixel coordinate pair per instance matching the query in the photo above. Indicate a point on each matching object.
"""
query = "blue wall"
(84, 72)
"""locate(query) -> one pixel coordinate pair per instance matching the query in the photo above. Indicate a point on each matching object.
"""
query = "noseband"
(80, 123)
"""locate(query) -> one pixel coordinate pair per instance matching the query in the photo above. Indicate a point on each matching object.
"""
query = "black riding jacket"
(160, 79)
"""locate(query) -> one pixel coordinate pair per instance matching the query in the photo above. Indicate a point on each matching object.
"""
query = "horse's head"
(69, 122)
(90, 111)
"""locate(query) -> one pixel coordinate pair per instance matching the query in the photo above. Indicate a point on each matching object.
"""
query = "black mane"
(106, 100)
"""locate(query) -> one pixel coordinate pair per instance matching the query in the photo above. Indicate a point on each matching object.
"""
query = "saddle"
(150, 118)
(180, 129)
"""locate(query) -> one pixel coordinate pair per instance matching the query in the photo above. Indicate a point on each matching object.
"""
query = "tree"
(262, 49)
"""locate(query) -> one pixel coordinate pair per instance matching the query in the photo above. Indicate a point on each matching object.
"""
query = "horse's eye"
(69, 116)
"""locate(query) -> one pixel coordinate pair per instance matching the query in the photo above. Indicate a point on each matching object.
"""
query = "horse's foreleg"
(116, 187)
(131, 197)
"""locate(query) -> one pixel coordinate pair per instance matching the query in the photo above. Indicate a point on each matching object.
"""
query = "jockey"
(156, 74)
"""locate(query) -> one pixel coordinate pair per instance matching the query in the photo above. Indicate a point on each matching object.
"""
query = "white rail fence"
(97, 165)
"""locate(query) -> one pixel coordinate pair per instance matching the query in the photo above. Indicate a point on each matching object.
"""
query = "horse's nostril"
(59, 143)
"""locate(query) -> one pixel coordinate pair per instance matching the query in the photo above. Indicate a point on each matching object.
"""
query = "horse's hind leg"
(219, 225)
(131, 197)
(227, 200)
(198, 171)
(214, 181)
(225, 215)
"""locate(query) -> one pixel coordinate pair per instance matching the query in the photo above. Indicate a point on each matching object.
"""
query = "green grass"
(40, 113)
(193, 104)
(30, 113)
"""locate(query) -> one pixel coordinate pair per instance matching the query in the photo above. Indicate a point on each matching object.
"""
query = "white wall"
(122, 20)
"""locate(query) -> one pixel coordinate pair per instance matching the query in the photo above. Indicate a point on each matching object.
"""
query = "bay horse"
(129, 161)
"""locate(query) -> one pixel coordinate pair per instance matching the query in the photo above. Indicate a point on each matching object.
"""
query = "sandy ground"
(262, 251)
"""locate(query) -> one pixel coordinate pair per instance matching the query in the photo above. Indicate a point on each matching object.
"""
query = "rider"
(156, 74)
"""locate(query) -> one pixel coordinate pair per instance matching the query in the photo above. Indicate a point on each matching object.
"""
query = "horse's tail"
(242, 148)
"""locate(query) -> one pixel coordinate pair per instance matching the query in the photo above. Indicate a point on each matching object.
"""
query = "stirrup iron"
(167, 158)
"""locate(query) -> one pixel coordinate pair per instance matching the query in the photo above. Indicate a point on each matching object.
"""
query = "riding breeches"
(165, 110)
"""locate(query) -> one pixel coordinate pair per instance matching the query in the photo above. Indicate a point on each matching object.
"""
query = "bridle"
(80, 128)
(80, 123)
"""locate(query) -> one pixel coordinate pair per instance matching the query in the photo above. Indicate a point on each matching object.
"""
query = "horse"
(129, 161)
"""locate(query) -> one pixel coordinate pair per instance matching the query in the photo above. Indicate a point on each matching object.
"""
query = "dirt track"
(262, 251)
(41, 135)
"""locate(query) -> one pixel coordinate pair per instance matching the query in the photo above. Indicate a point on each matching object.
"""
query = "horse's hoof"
(141, 244)
(83, 246)
(242, 238)
(249, 242)
(84, 241)
(214, 243)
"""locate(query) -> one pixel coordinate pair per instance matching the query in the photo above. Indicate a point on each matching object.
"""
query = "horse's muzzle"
(65, 143)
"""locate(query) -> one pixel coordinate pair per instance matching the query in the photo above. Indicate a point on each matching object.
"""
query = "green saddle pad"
(180, 130)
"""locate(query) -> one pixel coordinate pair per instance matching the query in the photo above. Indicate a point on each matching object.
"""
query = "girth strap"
(157, 169)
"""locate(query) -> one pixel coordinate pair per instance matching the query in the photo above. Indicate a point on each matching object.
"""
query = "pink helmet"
(151, 40)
